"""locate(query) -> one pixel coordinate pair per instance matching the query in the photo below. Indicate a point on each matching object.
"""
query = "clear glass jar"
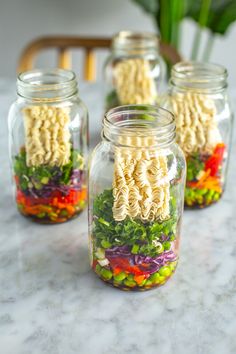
(137, 178)
(48, 146)
(198, 98)
(134, 70)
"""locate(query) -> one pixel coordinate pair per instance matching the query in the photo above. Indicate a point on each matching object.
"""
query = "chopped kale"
(194, 166)
(140, 236)
(40, 175)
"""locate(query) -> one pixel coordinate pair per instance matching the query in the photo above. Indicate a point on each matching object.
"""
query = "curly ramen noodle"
(141, 185)
(134, 83)
(47, 136)
(196, 126)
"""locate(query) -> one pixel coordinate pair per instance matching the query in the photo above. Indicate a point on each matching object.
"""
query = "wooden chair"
(89, 44)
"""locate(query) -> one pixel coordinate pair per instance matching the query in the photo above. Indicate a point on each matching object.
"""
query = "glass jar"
(198, 98)
(134, 70)
(137, 178)
(48, 146)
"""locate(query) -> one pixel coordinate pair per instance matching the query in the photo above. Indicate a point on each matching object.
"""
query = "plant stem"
(208, 47)
(165, 23)
(177, 12)
(203, 16)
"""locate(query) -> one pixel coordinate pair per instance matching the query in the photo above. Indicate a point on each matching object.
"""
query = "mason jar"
(137, 178)
(134, 70)
(48, 146)
(199, 100)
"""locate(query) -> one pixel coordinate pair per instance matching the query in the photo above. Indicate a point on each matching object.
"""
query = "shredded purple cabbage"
(164, 237)
(53, 185)
(154, 263)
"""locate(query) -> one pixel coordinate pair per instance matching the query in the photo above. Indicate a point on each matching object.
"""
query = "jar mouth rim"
(141, 109)
(136, 39)
(46, 79)
(140, 121)
(199, 72)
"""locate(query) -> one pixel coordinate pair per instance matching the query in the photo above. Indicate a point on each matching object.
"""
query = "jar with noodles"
(199, 101)
(135, 70)
(137, 178)
(48, 144)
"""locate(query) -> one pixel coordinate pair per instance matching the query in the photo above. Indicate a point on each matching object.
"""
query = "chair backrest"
(64, 43)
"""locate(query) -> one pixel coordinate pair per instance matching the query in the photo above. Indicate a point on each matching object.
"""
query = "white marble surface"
(50, 301)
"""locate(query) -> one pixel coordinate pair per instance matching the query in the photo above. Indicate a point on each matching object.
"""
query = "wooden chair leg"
(90, 68)
(64, 59)
(26, 62)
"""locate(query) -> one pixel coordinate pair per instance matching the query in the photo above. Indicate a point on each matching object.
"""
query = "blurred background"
(24, 20)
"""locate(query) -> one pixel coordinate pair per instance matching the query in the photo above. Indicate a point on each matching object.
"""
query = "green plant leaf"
(223, 18)
(221, 15)
(167, 15)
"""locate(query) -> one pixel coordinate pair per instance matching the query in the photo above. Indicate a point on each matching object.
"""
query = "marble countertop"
(51, 302)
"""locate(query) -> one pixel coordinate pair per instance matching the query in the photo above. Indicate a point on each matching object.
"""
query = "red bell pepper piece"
(213, 162)
(124, 265)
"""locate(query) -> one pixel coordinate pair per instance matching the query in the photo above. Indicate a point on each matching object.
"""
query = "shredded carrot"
(139, 278)
(207, 182)
(70, 209)
(51, 207)
(83, 194)
(32, 210)
(203, 178)
(117, 271)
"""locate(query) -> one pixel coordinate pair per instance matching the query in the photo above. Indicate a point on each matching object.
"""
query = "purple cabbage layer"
(54, 185)
(154, 263)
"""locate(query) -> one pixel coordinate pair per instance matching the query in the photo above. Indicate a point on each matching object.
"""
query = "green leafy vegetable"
(221, 14)
(194, 166)
(109, 233)
(41, 175)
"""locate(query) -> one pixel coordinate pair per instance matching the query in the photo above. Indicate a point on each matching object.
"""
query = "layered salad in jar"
(49, 171)
(133, 83)
(199, 137)
(135, 225)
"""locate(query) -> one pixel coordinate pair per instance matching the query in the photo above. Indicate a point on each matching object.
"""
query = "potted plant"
(216, 16)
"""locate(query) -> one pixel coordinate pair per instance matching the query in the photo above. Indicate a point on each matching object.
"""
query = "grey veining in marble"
(50, 301)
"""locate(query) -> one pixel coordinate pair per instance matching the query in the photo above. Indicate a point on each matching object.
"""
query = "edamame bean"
(216, 196)
(106, 274)
(142, 283)
(98, 269)
(121, 276)
(155, 278)
(191, 194)
(165, 271)
(199, 199)
(172, 266)
(130, 283)
(117, 283)
(188, 202)
(162, 280)
(148, 283)
(41, 215)
(203, 191)
(210, 193)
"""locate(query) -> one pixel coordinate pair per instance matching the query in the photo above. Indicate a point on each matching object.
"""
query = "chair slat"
(90, 65)
(64, 61)
(89, 44)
